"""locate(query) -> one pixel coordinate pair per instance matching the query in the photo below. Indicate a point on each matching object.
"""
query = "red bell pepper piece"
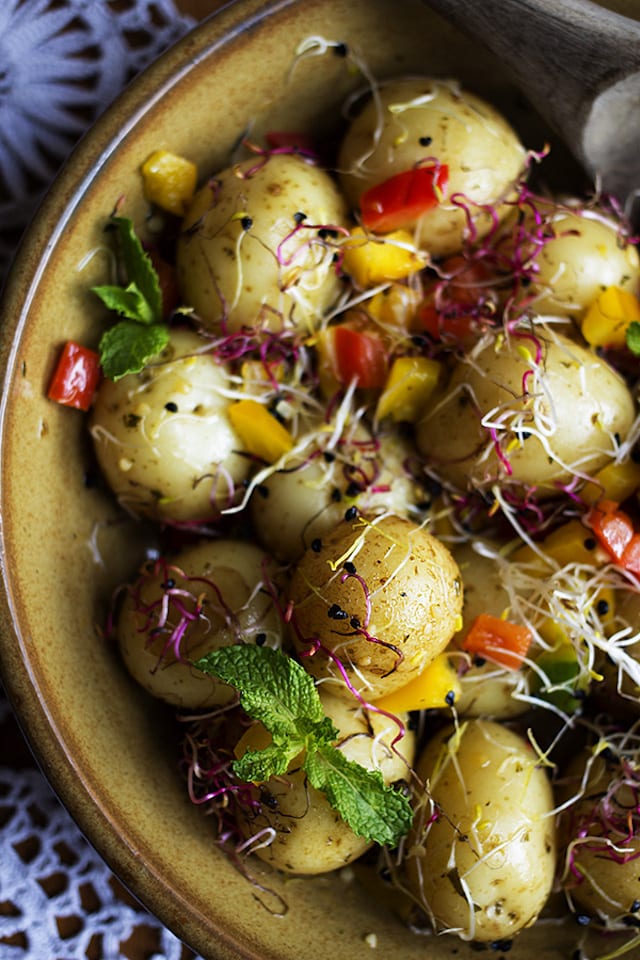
(403, 198)
(498, 640)
(612, 527)
(75, 377)
(360, 356)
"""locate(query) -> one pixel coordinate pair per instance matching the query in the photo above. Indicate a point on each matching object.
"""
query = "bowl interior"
(107, 748)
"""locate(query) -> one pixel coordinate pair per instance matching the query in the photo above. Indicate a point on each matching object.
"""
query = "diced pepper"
(371, 260)
(410, 384)
(352, 350)
(460, 305)
(606, 321)
(570, 543)
(395, 306)
(260, 432)
(448, 328)
(169, 181)
(561, 680)
(436, 687)
(612, 527)
(76, 376)
(616, 481)
(498, 640)
(403, 198)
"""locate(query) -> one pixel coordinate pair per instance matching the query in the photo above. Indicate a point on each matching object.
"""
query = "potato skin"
(493, 834)
(310, 836)
(599, 878)
(482, 152)
(585, 255)
(308, 496)
(226, 578)
(231, 267)
(579, 403)
(163, 439)
(412, 585)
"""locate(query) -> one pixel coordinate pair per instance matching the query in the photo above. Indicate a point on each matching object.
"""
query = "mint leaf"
(372, 809)
(256, 766)
(128, 346)
(633, 337)
(280, 693)
(138, 267)
(127, 301)
(274, 689)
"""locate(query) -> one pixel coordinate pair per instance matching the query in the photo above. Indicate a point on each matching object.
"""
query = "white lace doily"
(61, 63)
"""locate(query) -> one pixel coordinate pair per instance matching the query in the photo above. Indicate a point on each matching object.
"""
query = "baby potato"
(256, 246)
(209, 596)
(600, 836)
(163, 439)
(586, 254)
(310, 835)
(382, 596)
(506, 419)
(311, 491)
(487, 689)
(481, 858)
(421, 121)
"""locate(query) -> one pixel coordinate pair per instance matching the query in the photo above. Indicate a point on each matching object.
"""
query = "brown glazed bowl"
(107, 749)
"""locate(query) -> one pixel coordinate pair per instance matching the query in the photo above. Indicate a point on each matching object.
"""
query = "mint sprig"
(279, 692)
(129, 345)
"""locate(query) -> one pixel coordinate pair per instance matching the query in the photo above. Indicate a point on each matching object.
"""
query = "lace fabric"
(61, 63)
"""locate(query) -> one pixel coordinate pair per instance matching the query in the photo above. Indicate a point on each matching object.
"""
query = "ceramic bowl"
(106, 747)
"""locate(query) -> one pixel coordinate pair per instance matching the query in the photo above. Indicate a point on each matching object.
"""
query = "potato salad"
(377, 402)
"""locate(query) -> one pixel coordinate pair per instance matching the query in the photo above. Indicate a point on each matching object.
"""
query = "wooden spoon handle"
(562, 53)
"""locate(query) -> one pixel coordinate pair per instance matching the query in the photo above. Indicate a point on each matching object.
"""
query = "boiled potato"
(310, 492)
(253, 251)
(208, 596)
(585, 254)
(481, 859)
(569, 421)
(424, 120)
(163, 439)
(383, 597)
(487, 689)
(601, 844)
(309, 835)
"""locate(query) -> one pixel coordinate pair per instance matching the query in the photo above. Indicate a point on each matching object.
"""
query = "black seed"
(263, 491)
(336, 495)
(328, 456)
(589, 543)
(582, 919)
(450, 698)
(355, 623)
(353, 489)
(335, 612)
(351, 513)
(169, 584)
(171, 407)
(602, 607)
(261, 639)
(350, 567)
(246, 223)
(299, 217)
(316, 545)
(425, 141)
(341, 49)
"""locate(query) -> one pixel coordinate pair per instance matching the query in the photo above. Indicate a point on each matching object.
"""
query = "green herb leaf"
(372, 809)
(280, 693)
(128, 346)
(633, 337)
(126, 301)
(138, 267)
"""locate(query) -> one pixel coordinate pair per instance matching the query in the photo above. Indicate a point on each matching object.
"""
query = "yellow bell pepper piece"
(616, 481)
(606, 320)
(410, 384)
(260, 432)
(169, 181)
(436, 687)
(395, 306)
(370, 260)
(570, 543)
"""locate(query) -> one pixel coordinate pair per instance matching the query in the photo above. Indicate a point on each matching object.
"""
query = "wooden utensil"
(579, 65)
